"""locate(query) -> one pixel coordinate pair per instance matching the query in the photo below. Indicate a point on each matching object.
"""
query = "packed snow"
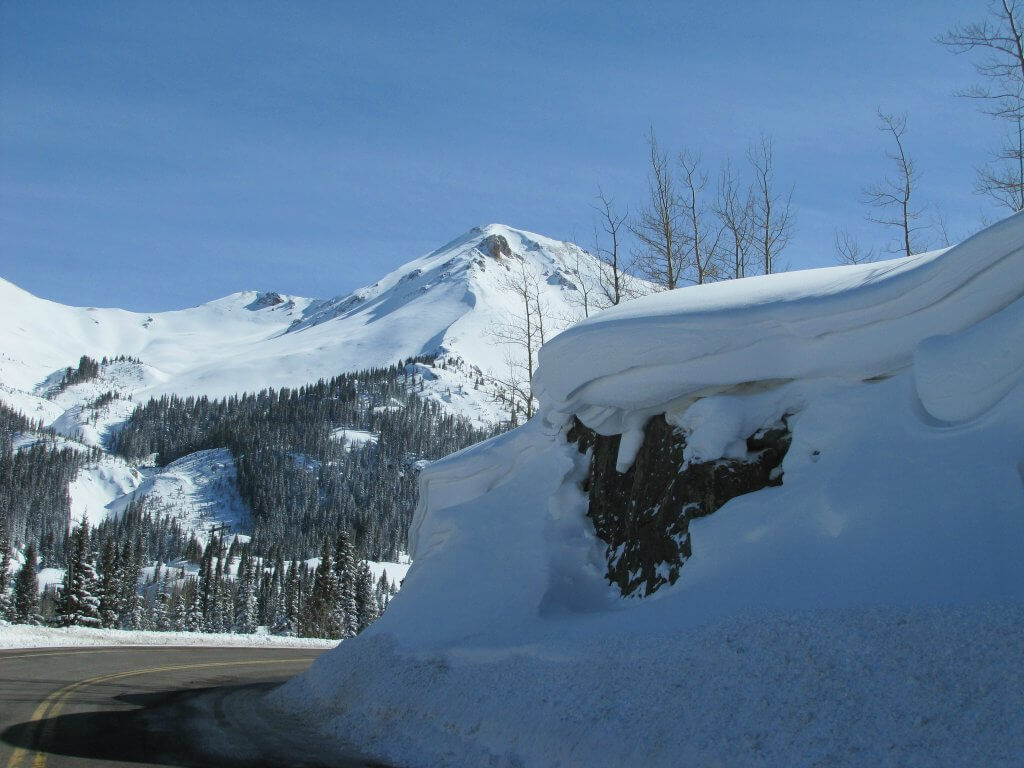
(868, 611)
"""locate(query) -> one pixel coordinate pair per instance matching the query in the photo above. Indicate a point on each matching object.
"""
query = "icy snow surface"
(869, 611)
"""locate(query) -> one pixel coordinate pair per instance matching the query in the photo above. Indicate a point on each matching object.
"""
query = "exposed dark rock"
(264, 300)
(495, 246)
(644, 514)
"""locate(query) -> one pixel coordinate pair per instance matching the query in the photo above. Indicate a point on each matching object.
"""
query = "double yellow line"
(50, 707)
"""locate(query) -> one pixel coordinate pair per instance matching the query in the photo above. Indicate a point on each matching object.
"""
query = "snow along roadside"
(25, 636)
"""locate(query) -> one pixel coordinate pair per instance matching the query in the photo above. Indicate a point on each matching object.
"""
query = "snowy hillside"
(447, 302)
(865, 607)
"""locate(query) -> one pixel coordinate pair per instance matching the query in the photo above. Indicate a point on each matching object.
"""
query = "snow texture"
(868, 611)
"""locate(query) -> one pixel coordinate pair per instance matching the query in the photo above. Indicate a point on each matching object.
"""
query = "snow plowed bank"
(868, 610)
(24, 636)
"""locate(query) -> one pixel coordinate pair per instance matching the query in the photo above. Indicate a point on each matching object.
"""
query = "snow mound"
(868, 610)
(858, 322)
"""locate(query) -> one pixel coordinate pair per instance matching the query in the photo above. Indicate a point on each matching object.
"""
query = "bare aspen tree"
(999, 39)
(848, 249)
(520, 333)
(701, 239)
(772, 214)
(734, 208)
(524, 333)
(587, 295)
(891, 196)
(940, 225)
(657, 225)
(613, 277)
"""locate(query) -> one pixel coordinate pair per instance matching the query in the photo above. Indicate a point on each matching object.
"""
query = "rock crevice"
(643, 515)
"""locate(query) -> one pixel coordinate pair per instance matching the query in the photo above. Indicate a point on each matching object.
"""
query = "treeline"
(104, 586)
(35, 506)
(302, 483)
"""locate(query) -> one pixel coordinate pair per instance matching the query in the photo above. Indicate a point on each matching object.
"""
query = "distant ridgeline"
(304, 484)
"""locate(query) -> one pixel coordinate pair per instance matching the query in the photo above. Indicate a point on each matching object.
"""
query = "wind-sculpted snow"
(866, 611)
(855, 322)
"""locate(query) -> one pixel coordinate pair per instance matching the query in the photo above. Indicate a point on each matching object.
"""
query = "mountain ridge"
(445, 302)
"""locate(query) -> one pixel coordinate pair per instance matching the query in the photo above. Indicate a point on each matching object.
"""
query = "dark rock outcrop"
(264, 300)
(644, 514)
(495, 246)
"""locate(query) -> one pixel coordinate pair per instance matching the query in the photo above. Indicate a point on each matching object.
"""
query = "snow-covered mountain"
(862, 606)
(446, 302)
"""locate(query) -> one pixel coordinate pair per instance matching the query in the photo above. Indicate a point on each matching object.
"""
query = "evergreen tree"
(161, 617)
(110, 589)
(79, 605)
(133, 610)
(194, 619)
(320, 617)
(382, 593)
(245, 601)
(366, 605)
(5, 573)
(26, 590)
(291, 596)
(345, 575)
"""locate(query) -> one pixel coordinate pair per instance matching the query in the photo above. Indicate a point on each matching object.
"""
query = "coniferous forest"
(312, 494)
(302, 482)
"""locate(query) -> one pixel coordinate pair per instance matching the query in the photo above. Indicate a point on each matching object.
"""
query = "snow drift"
(869, 610)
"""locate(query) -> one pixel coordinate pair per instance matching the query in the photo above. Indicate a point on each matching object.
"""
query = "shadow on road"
(174, 728)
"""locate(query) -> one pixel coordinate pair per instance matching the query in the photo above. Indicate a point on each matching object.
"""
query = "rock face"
(264, 300)
(644, 514)
(495, 246)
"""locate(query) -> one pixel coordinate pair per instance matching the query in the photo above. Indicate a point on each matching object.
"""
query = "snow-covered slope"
(198, 489)
(867, 611)
(446, 302)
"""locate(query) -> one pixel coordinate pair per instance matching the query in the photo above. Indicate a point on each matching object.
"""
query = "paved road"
(154, 706)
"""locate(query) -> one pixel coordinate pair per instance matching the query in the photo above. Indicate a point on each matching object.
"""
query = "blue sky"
(157, 155)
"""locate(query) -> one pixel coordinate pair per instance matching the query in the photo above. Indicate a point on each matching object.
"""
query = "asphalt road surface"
(187, 706)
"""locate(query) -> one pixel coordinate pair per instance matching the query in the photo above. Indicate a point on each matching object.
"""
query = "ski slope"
(868, 611)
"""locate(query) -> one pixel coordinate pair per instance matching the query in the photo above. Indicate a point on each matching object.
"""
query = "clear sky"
(155, 155)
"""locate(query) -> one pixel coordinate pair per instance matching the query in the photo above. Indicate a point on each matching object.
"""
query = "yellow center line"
(5, 656)
(50, 707)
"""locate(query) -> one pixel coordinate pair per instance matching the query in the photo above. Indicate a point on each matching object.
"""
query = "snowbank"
(23, 636)
(867, 611)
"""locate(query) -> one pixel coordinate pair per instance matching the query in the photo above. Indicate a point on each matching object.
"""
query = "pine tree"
(291, 594)
(321, 618)
(366, 606)
(345, 575)
(161, 618)
(245, 600)
(382, 593)
(110, 589)
(5, 574)
(26, 590)
(79, 605)
(194, 620)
